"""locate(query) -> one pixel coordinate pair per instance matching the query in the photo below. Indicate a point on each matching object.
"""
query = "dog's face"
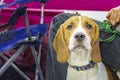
(80, 39)
(76, 34)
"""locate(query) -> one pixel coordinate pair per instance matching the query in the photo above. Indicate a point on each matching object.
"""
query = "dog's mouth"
(80, 47)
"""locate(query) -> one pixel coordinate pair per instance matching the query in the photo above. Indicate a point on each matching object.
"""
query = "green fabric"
(108, 29)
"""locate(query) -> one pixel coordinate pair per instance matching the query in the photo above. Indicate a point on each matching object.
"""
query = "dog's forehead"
(80, 19)
(78, 22)
(74, 19)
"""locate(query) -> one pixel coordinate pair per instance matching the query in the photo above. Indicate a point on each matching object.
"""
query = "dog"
(77, 43)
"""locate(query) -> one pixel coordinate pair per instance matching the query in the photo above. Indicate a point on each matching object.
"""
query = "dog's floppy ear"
(60, 45)
(95, 54)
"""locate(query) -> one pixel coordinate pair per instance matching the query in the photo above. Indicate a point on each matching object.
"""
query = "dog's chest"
(81, 75)
(91, 74)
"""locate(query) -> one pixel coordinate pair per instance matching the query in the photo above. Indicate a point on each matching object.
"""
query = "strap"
(10, 24)
(108, 29)
(16, 14)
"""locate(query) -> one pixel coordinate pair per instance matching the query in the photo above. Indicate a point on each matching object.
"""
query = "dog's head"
(78, 32)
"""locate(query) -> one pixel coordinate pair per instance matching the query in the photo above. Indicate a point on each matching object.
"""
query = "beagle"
(77, 43)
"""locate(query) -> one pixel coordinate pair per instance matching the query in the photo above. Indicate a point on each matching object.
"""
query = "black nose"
(79, 36)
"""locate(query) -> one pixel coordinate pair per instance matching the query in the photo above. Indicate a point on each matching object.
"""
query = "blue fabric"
(24, 1)
(21, 2)
(18, 36)
(6, 5)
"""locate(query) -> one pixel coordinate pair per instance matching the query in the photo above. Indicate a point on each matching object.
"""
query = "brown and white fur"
(80, 54)
(77, 42)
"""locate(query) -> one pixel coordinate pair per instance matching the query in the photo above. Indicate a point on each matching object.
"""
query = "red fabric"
(23, 59)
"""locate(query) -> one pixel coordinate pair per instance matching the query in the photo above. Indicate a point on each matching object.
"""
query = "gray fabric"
(118, 27)
(54, 69)
(110, 51)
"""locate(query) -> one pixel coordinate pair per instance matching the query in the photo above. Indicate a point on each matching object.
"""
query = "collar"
(85, 67)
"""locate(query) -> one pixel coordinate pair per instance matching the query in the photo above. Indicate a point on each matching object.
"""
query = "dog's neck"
(85, 67)
(79, 58)
(81, 61)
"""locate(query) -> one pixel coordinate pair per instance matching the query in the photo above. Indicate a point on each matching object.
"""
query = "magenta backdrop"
(34, 16)
(77, 4)
(83, 4)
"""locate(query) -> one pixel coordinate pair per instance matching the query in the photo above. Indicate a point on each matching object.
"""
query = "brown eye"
(89, 26)
(69, 27)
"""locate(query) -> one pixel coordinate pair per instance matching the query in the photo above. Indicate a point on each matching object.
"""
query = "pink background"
(34, 16)
(76, 4)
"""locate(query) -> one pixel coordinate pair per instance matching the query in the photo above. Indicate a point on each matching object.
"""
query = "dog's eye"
(69, 27)
(89, 26)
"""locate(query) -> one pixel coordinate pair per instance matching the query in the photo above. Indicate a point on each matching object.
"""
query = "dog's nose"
(79, 36)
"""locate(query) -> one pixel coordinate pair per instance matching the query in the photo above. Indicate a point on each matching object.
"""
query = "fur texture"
(77, 42)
